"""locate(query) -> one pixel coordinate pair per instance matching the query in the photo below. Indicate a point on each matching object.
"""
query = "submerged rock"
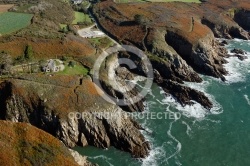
(238, 51)
(241, 57)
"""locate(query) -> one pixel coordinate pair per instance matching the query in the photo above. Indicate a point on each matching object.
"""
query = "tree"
(28, 53)
(72, 64)
(65, 30)
(28, 56)
(64, 58)
(140, 19)
(5, 63)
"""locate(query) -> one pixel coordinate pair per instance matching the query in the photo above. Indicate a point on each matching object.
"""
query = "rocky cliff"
(70, 108)
(179, 38)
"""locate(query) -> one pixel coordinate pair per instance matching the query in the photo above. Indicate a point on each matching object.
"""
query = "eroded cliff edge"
(179, 46)
(179, 38)
(67, 107)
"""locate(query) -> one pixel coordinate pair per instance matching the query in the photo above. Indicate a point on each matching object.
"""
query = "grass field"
(81, 17)
(103, 42)
(78, 69)
(11, 22)
(127, 1)
(5, 8)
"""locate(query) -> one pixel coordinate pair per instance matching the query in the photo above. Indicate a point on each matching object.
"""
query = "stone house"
(51, 66)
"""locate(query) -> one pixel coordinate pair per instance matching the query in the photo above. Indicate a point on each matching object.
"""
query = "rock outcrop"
(80, 160)
(178, 38)
(74, 113)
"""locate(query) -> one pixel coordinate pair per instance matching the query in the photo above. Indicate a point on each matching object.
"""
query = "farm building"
(52, 66)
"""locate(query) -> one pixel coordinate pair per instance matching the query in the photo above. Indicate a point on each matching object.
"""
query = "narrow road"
(99, 27)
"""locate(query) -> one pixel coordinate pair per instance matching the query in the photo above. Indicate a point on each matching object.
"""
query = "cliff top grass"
(101, 42)
(23, 144)
(74, 69)
(81, 17)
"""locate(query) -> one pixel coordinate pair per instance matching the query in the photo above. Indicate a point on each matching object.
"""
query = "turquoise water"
(198, 138)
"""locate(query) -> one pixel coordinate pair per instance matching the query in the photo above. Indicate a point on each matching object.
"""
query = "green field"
(11, 22)
(81, 17)
(127, 1)
(103, 42)
(78, 69)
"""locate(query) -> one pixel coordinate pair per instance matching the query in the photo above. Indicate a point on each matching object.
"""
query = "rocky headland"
(67, 107)
(179, 38)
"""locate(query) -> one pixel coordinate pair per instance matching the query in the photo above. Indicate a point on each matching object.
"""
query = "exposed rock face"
(183, 94)
(186, 38)
(115, 80)
(167, 61)
(81, 160)
(244, 23)
(179, 38)
(201, 55)
(50, 103)
(238, 51)
(23, 144)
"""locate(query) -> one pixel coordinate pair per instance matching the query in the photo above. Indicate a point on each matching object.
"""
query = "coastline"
(176, 74)
(188, 126)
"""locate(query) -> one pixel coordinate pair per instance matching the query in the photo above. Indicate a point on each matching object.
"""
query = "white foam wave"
(105, 159)
(194, 111)
(247, 99)
(202, 87)
(237, 69)
(188, 128)
(178, 147)
(156, 152)
(214, 121)
(151, 103)
(151, 160)
(162, 91)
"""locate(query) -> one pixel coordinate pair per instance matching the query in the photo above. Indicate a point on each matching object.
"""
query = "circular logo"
(116, 83)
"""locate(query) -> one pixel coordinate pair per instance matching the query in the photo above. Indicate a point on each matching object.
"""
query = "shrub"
(64, 58)
(71, 64)
(28, 53)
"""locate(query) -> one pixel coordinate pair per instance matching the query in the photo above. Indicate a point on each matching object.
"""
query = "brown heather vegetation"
(22, 144)
(48, 48)
(62, 94)
(176, 16)
(43, 34)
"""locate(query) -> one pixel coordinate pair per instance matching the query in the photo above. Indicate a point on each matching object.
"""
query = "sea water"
(200, 137)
